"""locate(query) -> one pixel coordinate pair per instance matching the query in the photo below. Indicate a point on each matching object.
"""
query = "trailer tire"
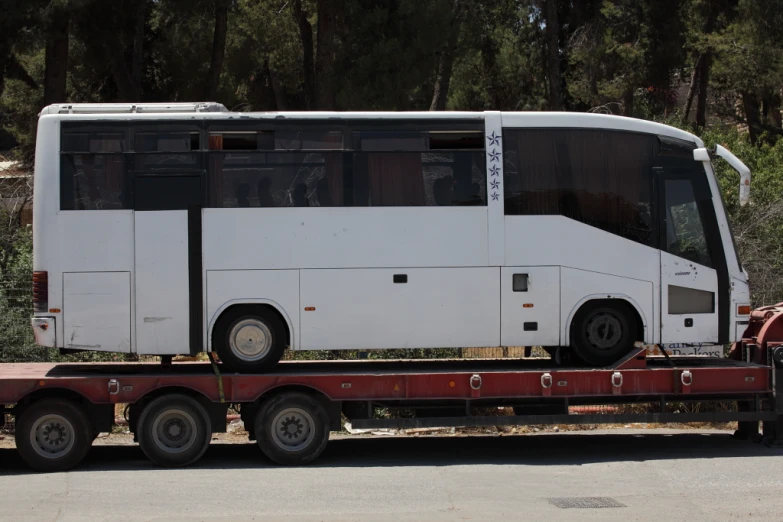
(53, 435)
(174, 431)
(292, 428)
(603, 333)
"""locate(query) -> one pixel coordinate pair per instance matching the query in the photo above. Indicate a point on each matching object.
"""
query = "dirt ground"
(237, 434)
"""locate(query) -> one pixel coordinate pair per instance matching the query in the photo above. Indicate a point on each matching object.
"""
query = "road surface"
(652, 474)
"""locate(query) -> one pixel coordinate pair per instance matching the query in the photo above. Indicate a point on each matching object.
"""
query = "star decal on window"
(494, 170)
(495, 184)
(494, 139)
(495, 196)
(494, 156)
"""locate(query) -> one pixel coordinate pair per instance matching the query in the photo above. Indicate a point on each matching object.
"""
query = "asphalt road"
(654, 474)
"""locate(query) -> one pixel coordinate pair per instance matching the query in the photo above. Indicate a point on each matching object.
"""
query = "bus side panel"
(400, 308)
(97, 311)
(579, 286)
(276, 288)
(560, 241)
(88, 241)
(350, 237)
(530, 304)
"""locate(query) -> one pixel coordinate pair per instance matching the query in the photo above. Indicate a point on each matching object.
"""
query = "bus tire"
(174, 431)
(292, 428)
(53, 435)
(249, 339)
(603, 333)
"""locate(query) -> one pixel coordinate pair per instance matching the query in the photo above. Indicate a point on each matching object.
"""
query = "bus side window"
(598, 177)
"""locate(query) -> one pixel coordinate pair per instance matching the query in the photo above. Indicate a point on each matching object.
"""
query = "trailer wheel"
(292, 428)
(603, 334)
(249, 339)
(53, 435)
(174, 431)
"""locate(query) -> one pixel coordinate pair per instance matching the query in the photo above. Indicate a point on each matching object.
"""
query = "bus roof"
(213, 110)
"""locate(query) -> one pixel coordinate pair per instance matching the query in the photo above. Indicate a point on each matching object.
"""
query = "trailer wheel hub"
(52, 436)
(293, 429)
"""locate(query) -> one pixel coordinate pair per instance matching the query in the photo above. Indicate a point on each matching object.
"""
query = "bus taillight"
(40, 292)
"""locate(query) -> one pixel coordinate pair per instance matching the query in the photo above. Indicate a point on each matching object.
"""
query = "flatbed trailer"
(173, 410)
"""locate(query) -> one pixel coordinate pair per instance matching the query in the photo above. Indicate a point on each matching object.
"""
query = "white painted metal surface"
(687, 274)
(97, 311)
(162, 298)
(495, 199)
(283, 238)
(365, 309)
(539, 304)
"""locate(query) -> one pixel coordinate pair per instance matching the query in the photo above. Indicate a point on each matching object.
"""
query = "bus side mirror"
(701, 154)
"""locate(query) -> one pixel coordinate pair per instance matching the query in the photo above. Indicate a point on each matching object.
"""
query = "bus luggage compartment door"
(377, 308)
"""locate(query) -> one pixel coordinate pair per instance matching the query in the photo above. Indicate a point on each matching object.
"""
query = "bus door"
(168, 261)
(691, 258)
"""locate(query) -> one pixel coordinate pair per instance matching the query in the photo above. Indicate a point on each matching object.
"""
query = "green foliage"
(632, 57)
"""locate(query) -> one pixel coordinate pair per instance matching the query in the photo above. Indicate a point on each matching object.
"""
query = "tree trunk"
(446, 61)
(750, 105)
(218, 47)
(692, 89)
(56, 58)
(489, 53)
(137, 56)
(704, 68)
(326, 54)
(771, 111)
(308, 61)
(704, 81)
(551, 32)
(628, 102)
(127, 79)
(274, 82)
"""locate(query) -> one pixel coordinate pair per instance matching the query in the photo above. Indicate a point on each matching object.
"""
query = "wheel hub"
(604, 331)
(293, 429)
(250, 339)
(174, 430)
(51, 436)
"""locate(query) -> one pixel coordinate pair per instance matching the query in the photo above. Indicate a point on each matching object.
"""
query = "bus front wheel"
(249, 339)
(603, 333)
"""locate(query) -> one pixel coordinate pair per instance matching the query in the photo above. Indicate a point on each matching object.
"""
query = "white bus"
(185, 228)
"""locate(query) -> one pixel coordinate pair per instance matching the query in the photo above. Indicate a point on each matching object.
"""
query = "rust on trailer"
(636, 375)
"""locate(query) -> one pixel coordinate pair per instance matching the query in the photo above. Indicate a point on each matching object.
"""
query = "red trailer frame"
(302, 401)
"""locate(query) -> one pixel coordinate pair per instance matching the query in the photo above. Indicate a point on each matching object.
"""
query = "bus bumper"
(44, 331)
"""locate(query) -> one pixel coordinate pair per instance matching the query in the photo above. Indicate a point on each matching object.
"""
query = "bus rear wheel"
(603, 333)
(174, 431)
(53, 435)
(249, 339)
(292, 428)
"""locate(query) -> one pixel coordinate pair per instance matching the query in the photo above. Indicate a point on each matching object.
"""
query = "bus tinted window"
(601, 178)
(409, 179)
(302, 179)
(166, 142)
(94, 142)
(379, 167)
(93, 182)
